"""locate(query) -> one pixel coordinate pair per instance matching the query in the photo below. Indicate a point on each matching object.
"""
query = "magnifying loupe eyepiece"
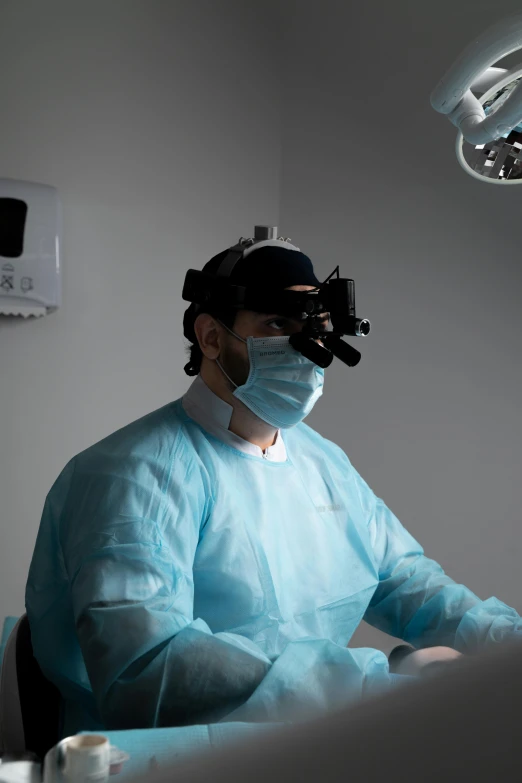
(343, 351)
(311, 349)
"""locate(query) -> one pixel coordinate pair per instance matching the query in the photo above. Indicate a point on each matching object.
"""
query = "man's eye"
(277, 323)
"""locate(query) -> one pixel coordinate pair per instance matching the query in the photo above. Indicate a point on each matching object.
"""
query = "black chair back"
(39, 699)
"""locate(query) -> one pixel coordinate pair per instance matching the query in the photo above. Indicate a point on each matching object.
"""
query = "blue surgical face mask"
(282, 386)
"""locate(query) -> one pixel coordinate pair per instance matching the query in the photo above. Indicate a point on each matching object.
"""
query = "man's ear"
(208, 333)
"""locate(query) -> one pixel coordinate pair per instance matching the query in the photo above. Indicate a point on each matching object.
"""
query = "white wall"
(432, 416)
(159, 124)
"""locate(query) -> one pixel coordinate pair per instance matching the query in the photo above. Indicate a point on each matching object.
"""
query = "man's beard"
(234, 363)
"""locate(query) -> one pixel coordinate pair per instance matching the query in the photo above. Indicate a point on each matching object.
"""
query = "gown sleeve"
(417, 602)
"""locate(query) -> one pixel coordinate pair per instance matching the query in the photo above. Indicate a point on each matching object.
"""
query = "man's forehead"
(300, 288)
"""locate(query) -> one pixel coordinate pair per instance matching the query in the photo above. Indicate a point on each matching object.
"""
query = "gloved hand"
(416, 663)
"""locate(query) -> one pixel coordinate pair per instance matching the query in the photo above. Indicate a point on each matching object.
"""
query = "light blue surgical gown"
(177, 580)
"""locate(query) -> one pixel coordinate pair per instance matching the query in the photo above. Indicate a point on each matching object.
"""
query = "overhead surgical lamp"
(489, 142)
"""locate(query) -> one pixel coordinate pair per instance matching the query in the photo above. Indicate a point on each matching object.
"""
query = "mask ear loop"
(231, 332)
(217, 360)
(225, 374)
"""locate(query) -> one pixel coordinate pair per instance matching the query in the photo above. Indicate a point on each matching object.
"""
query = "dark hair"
(193, 366)
(228, 317)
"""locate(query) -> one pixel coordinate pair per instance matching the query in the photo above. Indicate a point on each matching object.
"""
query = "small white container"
(87, 759)
(56, 759)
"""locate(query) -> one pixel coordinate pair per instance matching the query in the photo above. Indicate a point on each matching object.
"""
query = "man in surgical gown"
(211, 561)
